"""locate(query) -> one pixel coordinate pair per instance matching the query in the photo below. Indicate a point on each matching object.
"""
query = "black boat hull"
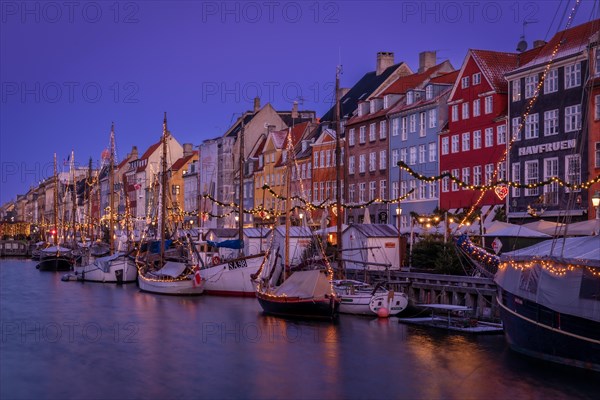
(55, 264)
(540, 332)
(326, 308)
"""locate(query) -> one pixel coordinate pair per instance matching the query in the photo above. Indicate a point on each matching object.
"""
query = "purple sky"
(69, 69)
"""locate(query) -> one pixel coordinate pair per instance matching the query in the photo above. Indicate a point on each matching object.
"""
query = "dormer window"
(284, 155)
(260, 161)
(410, 97)
(372, 107)
(386, 101)
(429, 92)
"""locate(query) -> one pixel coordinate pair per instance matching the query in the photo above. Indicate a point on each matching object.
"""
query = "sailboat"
(56, 257)
(303, 294)
(117, 266)
(234, 277)
(165, 268)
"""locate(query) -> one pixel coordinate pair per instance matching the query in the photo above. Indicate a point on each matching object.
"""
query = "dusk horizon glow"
(69, 70)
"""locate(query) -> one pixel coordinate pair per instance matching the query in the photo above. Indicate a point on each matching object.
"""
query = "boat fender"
(216, 260)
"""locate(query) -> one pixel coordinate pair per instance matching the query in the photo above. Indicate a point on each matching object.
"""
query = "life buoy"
(216, 260)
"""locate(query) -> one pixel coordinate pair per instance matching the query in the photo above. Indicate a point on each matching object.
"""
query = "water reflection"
(116, 342)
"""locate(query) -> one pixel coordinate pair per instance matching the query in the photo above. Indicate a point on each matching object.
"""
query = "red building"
(474, 145)
(594, 121)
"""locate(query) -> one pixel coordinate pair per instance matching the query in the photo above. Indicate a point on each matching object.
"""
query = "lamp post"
(398, 214)
(596, 204)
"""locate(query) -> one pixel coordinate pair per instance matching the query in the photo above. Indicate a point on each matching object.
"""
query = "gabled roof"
(572, 41)
(150, 151)
(177, 165)
(448, 78)
(403, 107)
(405, 83)
(360, 91)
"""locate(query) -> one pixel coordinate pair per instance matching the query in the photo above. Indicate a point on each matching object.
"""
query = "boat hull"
(233, 278)
(184, 287)
(120, 270)
(324, 308)
(53, 264)
(540, 332)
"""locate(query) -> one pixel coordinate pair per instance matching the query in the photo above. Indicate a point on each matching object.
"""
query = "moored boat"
(56, 258)
(363, 299)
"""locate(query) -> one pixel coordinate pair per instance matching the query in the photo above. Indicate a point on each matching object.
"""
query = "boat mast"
(241, 196)
(163, 194)
(73, 194)
(288, 211)
(111, 188)
(338, 163)
(55, 203)
(88, 192)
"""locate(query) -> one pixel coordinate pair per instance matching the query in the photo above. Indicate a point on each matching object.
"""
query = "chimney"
(134, 153)
(295, 110)
(538, 43)
(188, 149)
(385, 59)
(256, 104)
(427, 59)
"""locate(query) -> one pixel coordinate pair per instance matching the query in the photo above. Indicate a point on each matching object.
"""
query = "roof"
(257, 232)
(177, 165)
(402, 107)
(569, 42)
(223, 232)
(295, 231)
(375, 230)
(405, 83)
(579, 250)
(494, 65)
(360, 91)
(448, 78)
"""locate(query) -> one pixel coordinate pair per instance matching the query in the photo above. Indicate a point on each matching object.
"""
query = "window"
(501, 134)
(328, 190)
(597, 62)
(551, 122)
(404, 135)
(530, 85)
(395, 190)
(175, 189)
(351, 193)
(422, 152)
(432, 152)
(551, 191)
(454, 113)
(476, 140)
(572, 75)
(322, 158)
(351, 137)
(383, 129)
(516, 178)
(322, 191)
(303, 174)
(316, 191)
(516, 90)
(466, 176)
(351, 164)
(476, 108)
(532, 126)
(383, 159)
(551, 81)
(501, 170)
(413, 186)
(573, 169)
(432, 118)
(531, 176)
(372, 188)
(308, 171)
(445, 182)
(489, 104)
(372, 135)
(516, 128)
(429, 92)
(465, 110)
(476, 78)
(445, 145)
(597, 164)
(403, 188)
(403, 153)
(455, 140)
(422, 190)
(464, 82)
(422, 124)
(489, 173)
(395, 123)
(573, 118)
(466, 141)
(433, 190)
(362, 187)
(382, 189)
(413, 155)
(328, 155)
(361, 135)
(394, 157)
(477, 175)
(413, 123)
(489, 137)
(597, 105)
(361, 163)
(410, 97)
(372, 161)
(455, 173)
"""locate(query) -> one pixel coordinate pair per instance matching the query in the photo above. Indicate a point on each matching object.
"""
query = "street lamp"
(398, 214)
(596, 204)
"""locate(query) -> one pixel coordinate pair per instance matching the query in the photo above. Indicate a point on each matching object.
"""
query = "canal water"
(71, 340)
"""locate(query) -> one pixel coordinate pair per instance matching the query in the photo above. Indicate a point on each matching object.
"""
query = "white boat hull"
(173, 287)
(394, 302)
(232, 278)
(122, 266)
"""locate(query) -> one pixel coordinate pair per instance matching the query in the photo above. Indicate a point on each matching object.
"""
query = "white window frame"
(372, 132)
(445, 145)
(382, 159)
(573, 118)
(395, 126)
(372, 161)
(573, 75)
(454, 144)
(351, 137)
(422, 126)
(362, 163)
(489, 173)
(489, 137)
(465, 110)
(476, 78)
(516, 132)
(422, 153)
(432, 118)
(476, 139)
(551, 81)
(516, 90)
(412, 157)
(489, 104)
(351, 161)
(464, 82)
(382, 189)
(362, 135)
(551, 122)
(395, 157)
(501, 134)
(466, 176)
(532, 126)
(455, 173)
(432, 152)
(476, 108)
(455, 113)
(531, 83)
(466, 141)
(516, 178)
(570, 176)
(404, 129)
(532, 175)
(477, 175)
(413, 123)
(382, 129)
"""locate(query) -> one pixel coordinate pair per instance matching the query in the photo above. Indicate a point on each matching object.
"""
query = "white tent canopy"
(305, 284)
(517, 231)
(547, 227)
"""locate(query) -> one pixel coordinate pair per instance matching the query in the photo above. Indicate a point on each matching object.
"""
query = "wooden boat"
(56, 258)
(363, 299)
(453, 318)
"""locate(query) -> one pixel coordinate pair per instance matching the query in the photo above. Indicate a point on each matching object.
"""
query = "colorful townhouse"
(415, 121)
(545, 119)
(594, 121)
(473, 147)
